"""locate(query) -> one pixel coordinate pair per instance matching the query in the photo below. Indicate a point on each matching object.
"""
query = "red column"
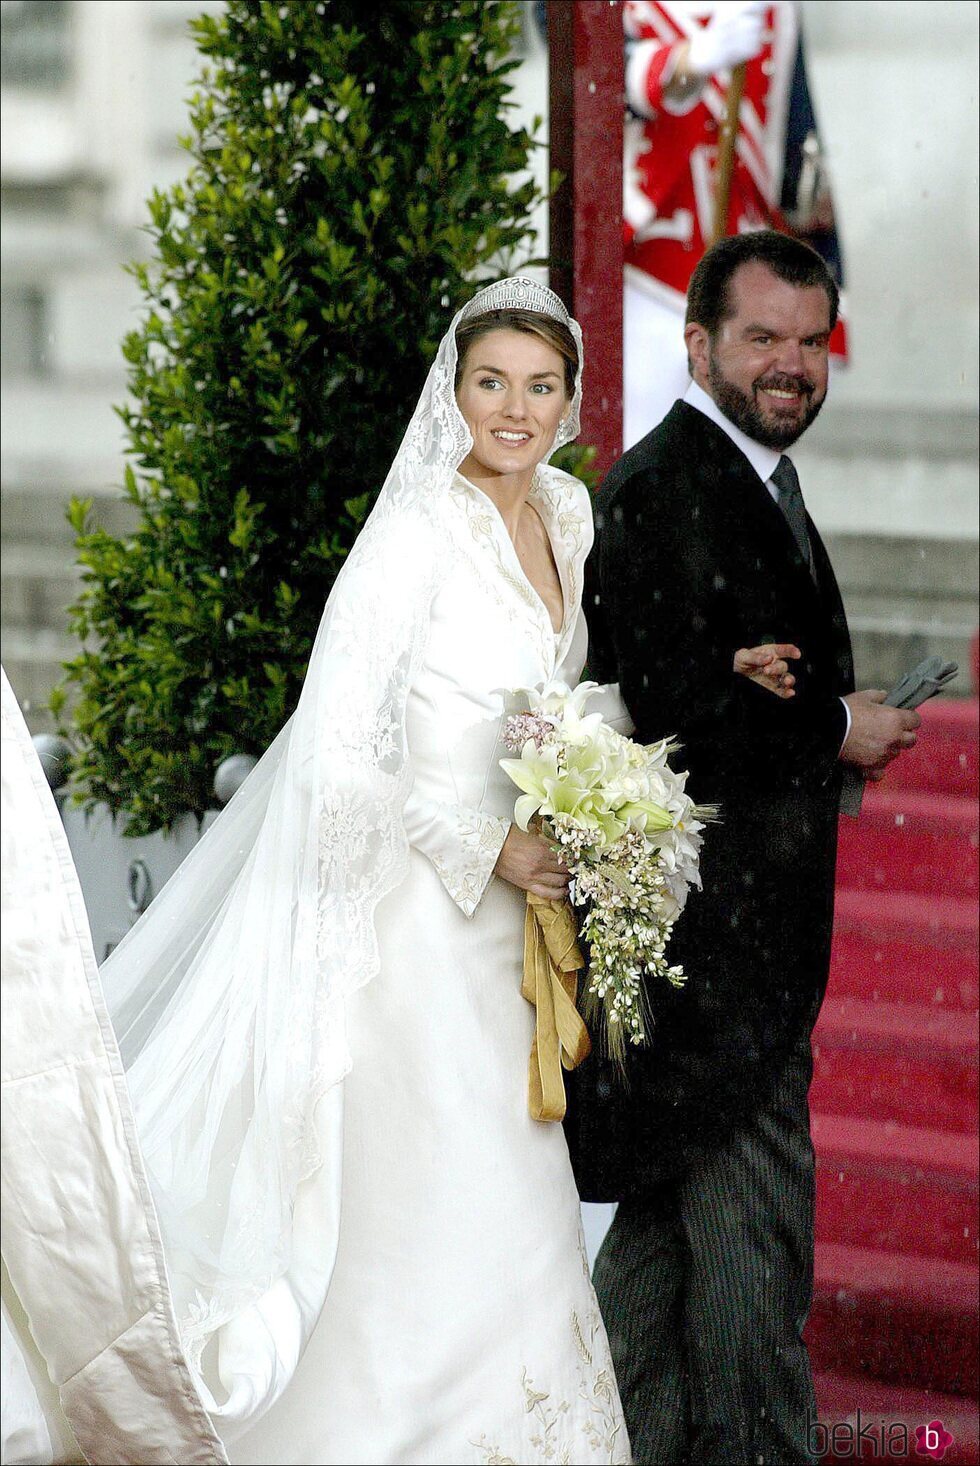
(585, 39)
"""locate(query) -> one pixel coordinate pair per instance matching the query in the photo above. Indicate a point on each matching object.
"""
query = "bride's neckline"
(535, 499)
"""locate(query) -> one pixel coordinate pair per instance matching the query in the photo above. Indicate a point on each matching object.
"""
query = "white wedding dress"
(460, 1323)
(375, 1254)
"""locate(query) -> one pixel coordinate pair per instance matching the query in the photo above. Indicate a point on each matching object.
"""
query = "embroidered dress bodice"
(460, 1324)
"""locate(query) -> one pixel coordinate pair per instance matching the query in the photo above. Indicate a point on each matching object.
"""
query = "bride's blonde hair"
(530, 323)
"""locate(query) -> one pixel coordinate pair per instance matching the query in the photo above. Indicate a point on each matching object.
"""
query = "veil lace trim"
(229, 995)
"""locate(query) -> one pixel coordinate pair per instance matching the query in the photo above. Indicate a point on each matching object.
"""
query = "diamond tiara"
(516, 293)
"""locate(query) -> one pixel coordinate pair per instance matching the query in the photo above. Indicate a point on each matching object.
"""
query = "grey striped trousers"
(705, 1287)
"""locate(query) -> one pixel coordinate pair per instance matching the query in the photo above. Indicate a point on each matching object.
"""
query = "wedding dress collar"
(565, 509)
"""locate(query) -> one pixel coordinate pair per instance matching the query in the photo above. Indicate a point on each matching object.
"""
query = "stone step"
(34, 515)
(945, 759)
(895, 1188)
(32, 660)
(907, 565)
(899, 947)
(64, 432)
(916, 1215)
(37, 584)
(913, 1065)
(895, 1318)
(892, 607)
(908, 596)
(906, 840)
(886, 648)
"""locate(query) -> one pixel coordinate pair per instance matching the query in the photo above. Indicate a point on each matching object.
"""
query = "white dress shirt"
(763, 460)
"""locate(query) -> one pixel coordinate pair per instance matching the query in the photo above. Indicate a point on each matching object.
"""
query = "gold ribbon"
(552, 962)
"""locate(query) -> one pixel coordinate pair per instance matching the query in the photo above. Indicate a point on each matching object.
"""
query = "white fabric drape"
(100, 1372)
(229, 996)
(460, 1323)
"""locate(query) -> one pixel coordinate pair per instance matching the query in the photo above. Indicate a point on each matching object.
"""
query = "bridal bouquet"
(617, 815)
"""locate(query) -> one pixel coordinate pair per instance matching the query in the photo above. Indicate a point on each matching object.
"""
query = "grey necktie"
(791, 503)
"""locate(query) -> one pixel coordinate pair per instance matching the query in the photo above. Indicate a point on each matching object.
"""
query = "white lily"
(558, 697)
(532, 772)
(630, 835)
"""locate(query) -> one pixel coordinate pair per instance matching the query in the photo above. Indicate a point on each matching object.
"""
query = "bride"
(321, 1014)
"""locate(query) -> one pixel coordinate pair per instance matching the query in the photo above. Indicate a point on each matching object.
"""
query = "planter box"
(120, 876)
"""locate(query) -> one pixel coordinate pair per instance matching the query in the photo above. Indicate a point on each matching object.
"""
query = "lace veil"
(228, 996)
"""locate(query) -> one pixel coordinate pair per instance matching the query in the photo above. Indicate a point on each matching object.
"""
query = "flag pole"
(726, 152)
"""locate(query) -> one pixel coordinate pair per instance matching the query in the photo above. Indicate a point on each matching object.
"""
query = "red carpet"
(893, 1332)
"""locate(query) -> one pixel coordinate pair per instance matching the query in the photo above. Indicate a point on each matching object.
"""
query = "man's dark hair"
(708, 301)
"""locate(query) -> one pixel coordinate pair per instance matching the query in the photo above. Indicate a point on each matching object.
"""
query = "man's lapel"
(747, 499)
(744, 502)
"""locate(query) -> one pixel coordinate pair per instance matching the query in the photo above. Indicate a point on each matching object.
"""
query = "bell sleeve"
(463, 845)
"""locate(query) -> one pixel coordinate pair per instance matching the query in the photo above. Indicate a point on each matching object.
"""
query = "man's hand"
(527, 861)
(769, 666)
(734, 34)
(878, 734)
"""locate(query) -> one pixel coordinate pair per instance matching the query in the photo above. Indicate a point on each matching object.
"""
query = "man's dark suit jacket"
(693, 560)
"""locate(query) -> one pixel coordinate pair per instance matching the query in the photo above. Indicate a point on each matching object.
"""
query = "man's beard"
(744, 411)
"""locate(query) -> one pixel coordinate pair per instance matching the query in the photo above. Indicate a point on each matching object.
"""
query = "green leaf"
(77, 513)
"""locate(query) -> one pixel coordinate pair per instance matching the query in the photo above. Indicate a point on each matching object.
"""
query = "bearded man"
(703, 544)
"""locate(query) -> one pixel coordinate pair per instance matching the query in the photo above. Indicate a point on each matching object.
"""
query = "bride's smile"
(512, 395)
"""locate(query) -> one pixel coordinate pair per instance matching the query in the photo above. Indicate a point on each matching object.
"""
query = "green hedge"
(352, 169)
